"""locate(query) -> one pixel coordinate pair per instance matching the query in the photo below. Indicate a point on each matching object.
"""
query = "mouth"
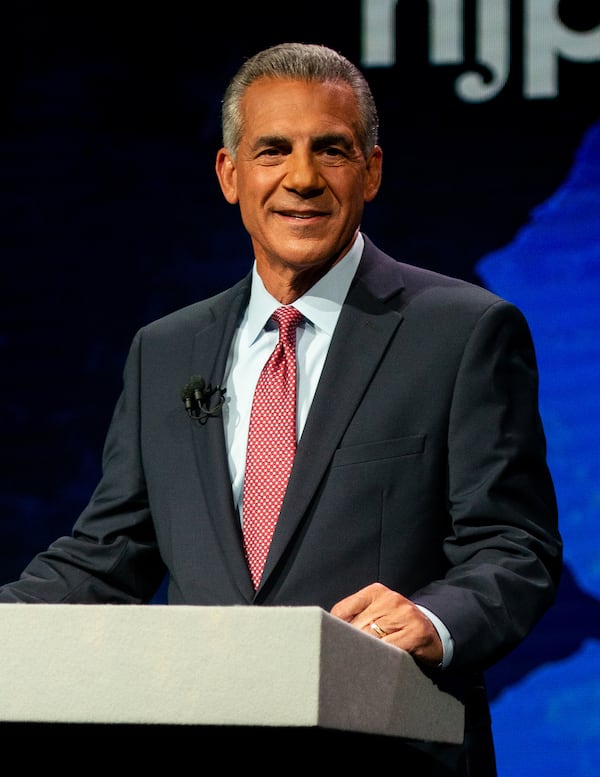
(301, 215)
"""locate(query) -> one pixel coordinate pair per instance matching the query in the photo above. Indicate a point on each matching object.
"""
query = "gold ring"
(378, 630)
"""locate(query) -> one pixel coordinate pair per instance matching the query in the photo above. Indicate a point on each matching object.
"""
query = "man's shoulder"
(203, 311)
(415, 280)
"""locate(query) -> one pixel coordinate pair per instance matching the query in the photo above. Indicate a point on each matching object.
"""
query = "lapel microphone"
(197, 396)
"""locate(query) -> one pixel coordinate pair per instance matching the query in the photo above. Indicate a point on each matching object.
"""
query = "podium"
(177, 668)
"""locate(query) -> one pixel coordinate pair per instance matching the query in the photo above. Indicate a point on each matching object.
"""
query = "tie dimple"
(271, 443)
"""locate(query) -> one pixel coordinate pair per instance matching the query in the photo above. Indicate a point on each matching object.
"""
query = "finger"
(352, 606)
(377, 630)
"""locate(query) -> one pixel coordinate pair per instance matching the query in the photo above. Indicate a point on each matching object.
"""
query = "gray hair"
(304, 62)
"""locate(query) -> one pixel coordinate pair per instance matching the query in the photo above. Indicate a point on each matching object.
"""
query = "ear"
(374, 169)
(226, 173)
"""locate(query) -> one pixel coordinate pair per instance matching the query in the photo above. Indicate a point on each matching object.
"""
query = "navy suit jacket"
(422, 465)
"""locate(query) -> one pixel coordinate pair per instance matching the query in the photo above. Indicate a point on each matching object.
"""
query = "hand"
(405, 626)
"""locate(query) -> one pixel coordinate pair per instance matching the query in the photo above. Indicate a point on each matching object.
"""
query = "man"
(419, 507)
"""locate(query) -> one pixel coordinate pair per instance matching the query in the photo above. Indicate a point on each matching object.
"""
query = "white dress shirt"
(256, 338)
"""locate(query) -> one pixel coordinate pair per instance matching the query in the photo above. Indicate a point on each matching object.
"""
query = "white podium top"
(230, 666)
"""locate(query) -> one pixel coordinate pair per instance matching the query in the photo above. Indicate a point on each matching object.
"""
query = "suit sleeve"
(504, 550)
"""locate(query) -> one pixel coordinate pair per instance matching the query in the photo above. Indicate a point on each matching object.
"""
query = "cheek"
(251, 214)
(255, 193)
(251, 188)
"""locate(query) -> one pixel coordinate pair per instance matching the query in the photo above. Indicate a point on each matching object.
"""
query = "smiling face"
(300, 179)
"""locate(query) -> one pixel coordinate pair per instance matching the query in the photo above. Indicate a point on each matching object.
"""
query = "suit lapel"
(211, 347)
(366, 324)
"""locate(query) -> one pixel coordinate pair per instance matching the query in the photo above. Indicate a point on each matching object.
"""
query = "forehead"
(288, 107)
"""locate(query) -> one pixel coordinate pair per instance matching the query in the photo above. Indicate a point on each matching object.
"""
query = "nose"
(303, 176)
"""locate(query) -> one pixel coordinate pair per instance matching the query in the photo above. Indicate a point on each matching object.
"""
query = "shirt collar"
(320, 305)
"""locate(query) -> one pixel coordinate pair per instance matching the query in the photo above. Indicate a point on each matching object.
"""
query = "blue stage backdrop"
(110, 216)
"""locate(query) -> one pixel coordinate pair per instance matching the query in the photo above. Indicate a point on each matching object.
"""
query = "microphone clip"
(201, 400)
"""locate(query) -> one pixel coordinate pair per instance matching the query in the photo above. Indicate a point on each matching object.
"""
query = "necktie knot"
(287, 319)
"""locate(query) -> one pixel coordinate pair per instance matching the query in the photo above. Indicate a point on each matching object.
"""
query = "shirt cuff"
(444, 634)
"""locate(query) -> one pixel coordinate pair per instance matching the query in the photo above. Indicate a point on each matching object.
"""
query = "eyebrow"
(320, 141)
(333, 139)
(269, 140)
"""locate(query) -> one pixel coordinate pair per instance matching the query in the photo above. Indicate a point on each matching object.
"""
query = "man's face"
(300, 177)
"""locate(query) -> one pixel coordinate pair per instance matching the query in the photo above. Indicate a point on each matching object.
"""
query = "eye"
(332, 155)
(271, 154)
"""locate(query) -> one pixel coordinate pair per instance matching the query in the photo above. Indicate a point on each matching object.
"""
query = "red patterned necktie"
(271, 443)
